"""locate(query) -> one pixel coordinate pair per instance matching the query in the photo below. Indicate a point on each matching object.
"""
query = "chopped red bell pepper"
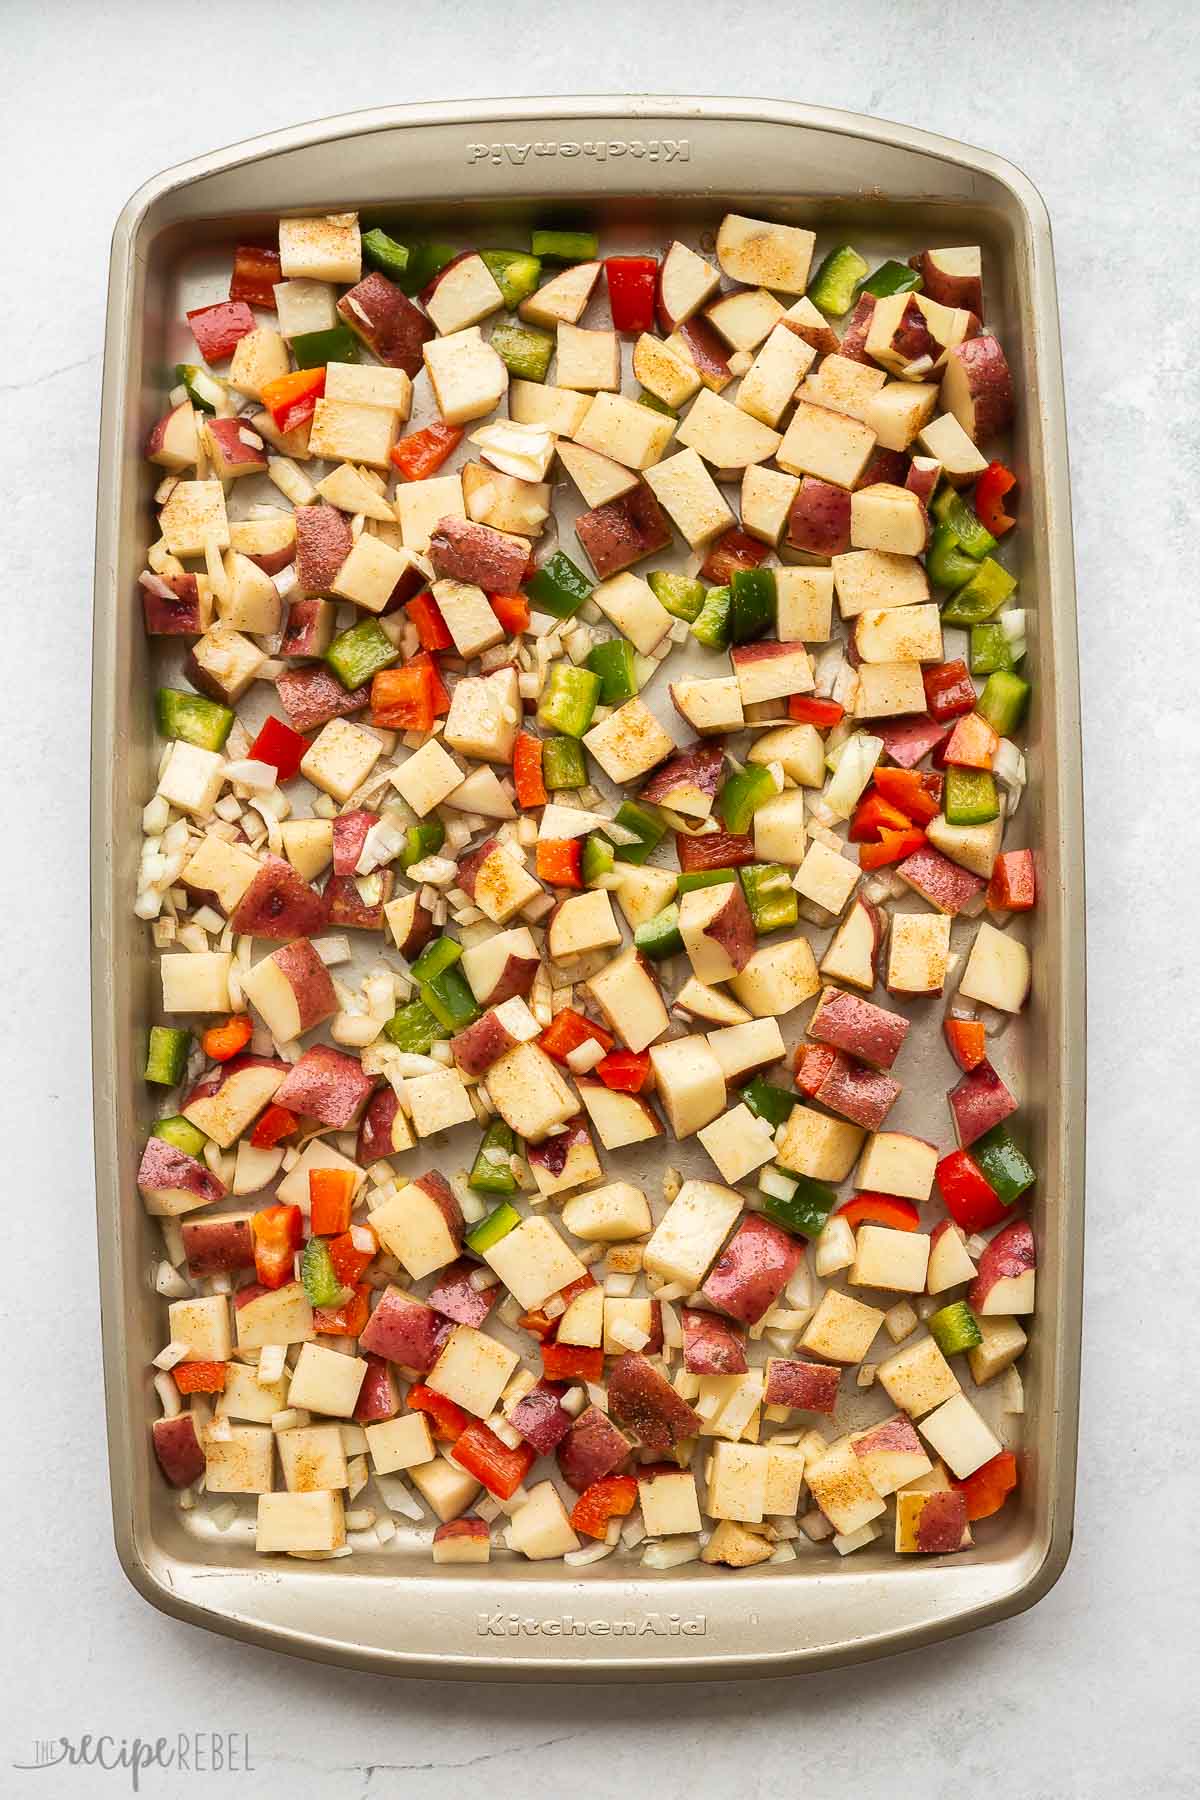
(422, 453)
(527, 770)
(221, 1042)
(612, 1497)
(512, 610)
(219, 329)
(631, 285)
(626, 1071)
(967, 1040)
(810, 709)
(972, 744)
(280, 746)
(347, 1320)
(880, 1209)
(539, 1324)
(330, 1198)
(349, 1262)
(893, 847)
(292, 399)
(969, 1196)
(448, 1421)
(990, 1485)
(571, 1362)
(812, 1064)
(200, 1377)
(275, 1124)
(278, 1233)
(560, 862)
(482, 1454)
(256, 270)
(916, 792)
(949, 690)
(713, 850)
(567, 1030)
(402, 699)
(734, 549)
(432, 629)
(1013, 887)
(990, 489)
(873, 816)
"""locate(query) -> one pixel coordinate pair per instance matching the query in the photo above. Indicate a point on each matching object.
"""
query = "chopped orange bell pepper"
(989, 1487)
(612, 1497)
(423, 452)
(917, 793)
(330, 1197)
(1013, 887)
(512, 610)
(812, 1064)
(278, 1233)
(527, 770)
(448, 1421)
(292, 399)
(347, 1320)
(972, 744)
(500, 1468)
(880, 1209)
(567, 1030)
(403, 699)
(200, 1377)
(625, 1071)
(893, 847)
(810, 709)
(349, 1262)
(873, 816)
(967, 1040)
(571, 1362)
(275, 1124)
(432, 629)
(221, 1042)
(560, 862)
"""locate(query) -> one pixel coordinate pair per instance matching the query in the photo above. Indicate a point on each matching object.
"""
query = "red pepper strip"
(567, 1030)
(1013, 887)
(347, 1320)
(280, 746)
(200, 1377)
(255, 273)
(969, 1196)
(527, 770)
(431, 627)
(349, 1262)
(893, 847)
(219, 329)
(512, 610)
(734, 550)
(916, 792)
(278, 1233)
(873, 816)
(424, 452)
(402, 699)
(224, 1041)
(631, 284)
(967, 1040)
(625, 1071)
(990, 489)
(713, 850)
(482, 1454)
(949, 690)
(292, 399)
(812, 1064)
(330, 1198)
(989, 1487)
(275, 1124)
(972, 744)
(571, 1362)
(448, 1421)
(808, 709)
(612, 1497)
(880, 1209)
(560, 862)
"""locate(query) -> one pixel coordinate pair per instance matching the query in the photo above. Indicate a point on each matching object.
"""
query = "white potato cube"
(628, 433)
(899, 634)
(770, 383)
(246, 1397)
(889, 689)
(629, 742)
(689, 1082)
(662, 373)
(737, 1482)
(399, 1443)
(563, 297)
(778, 829)
(608, 1215)
(529, 1093)
(321, 249)
(886, 517)
(300, 1524)
(192, 777)
(541, 1528)
(468, 377)
(196, 982)
(598, 478)
(242, 1463)
(369, 384)
(829, 445)
(446, 1487)
(918, 953)
(588, 360)
(778, 978)
(472, 1370)
(345, 432)
(812, 1144)
(412, 1227)
(689, 1236)
(725, 436)
(195, 516)
(582, 922)
(805, 604)
(896, 1163)
(340, 758)
(960, 1437)
(420, 505)
(369, 574)
(844, 386)
(631, 605)
(203, 1325)
(438, 1101)
(466, 292)
(945, 440)
(738, 1143)
(826, 878)
(533, 1262)
(840, 1488)
(710, 705)
(866, 580)
(313, 1457)
(842, 1329)
(758, 253)
(690, 497)
(484, 717)
(890, 1259)
(917, 1378)
(503, 885)
(669, 1502)
(258, 358)
(767, 496)
(998, 970)
(325, 1381)
(469, 618)
(899, 410)
(303, 305)
(558, 409)
(741, 1049)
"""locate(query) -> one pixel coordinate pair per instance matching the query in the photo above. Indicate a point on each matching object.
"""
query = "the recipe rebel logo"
(565, 1625)
(187, 1753)
(601, 149)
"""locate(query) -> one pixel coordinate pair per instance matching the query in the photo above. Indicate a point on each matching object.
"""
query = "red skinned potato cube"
(938, 880)
(591, 1449)
(292, 990)
(712, 1346)
(481, 1044)
(231, 454)
(977, 388)
(172, 440)
(388, 323)
(379, 1396)
(349, 835)
(278, 905)
(172, 1182)
(952, 277)
(225, 1103)
(648, 1406)
(689, 782)
(853, 1092)
(175, 614)
(178, 1449)
(753, 1269)
(1004, 1283)
(323, 542)
(979, 1101)
(403, 1330)
(819, 519)
(311, 697)
(493, 560)
(376, 1137)
(859, 1027)
(620, 534)
(219, 329)
(854, 339)
(455, 1297)
(346, 909)
(218, 1246)
(803, 1386)
(942, 1522)
(890, 466)
(540, 1418)
(326, 1085)
(309, 628)
(907, 741)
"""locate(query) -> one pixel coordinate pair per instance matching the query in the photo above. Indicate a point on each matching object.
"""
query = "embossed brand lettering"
(651, 1624)
(653, 149)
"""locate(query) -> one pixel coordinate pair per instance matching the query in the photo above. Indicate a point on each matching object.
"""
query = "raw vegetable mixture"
(463, 879)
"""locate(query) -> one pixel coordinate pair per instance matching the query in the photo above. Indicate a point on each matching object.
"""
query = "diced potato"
(469, 618)
(812, 1144)
(529, 1093)
(741, 1049)
(669, 1503)
(890, 1259)
(725, 436)
(203, 1325)
(192, 777)
(421, 504)
(799, 750)
(242, 1463)
(869, 579)
(370, 573)
(472, 1370)
(563, 297)
(300, 1524)
(690, 497)
(505, 502)
(345, 432)
(770, 383)
(889, 689)
(918, 953)
(598, 478)
(667, 376)
(588, 360)
(841, 1489)
(737, 1482)
(302, 305)
(842, 1329)
(844, 386)
(630, 741)
(196, 982)
(778, 830)
(259, 357)
(738, 1143)
(826, 878)
(889, 518)
(736, 1546)
(758, 253)
(608, 1215)
(767, 496)
(312, 1457)
(689, 1083)
(325, 1381)
(503, 886)
(710, 705)
(321, 249)
(558, 409)
(628, 433)
(631, 605)
(960, 1436)
(468, 377)
(194, 516)
(899, 634)
(688, 1238)
(246, 1397)
(945, 440)
(643, 892)
(413, 1228)
(369, 384)
(466, 292)
(438, 1101)
(898, 411)
(785, 1478)
(826, 444)
(446, 1487)
(533, 1262)
(399, 1443)
(340, 758)
(582, 922)
(541, 1529)
(484, 717)
(998, 970)
(1003, 1341)
(895, 1163)
(229, 659)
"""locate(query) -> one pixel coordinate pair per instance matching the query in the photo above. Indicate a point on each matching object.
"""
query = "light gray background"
(1092, 1694)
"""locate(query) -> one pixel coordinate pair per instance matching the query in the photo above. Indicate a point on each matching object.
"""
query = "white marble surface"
(1087, 1696)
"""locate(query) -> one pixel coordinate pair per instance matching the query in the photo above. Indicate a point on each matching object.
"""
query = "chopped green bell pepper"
(599, 857)
(383, 253)
(946, 562)
(313, 349)
(711, 626)
(1003, 701)
(441, 954)
(702, 878)
(491, 1172)
(525, 350)
(954, 1328)
(654, 404)
(765, 1101)
(659, 937)
(318, 1274)
(569, 700)
(358, 654)
(753, 604)
(449, 998)
(421, 841)
(425, 260)
(832, 288)
(970, 797)
(742, 795)
(565, 246)
(563, 763)
(514, 272)
(984, 594)
(950, 509)
(193, 719)
(891, 278)
(649, 825)
(680, 595)
(769, 895)
(414, 1028)
(181, 1133)
(991, 648)
(559, 587)
(167, 1054)
(615, 662)
(203, 390)
(1004, 1164)
(500, 1221)
(806, 1212)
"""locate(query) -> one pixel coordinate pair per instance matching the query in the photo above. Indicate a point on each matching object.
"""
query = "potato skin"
(461, 550)
(648, 1406)
(712, 1346)
(819, 519)
(591, 1449)
(753, 1269)
(404, 1330)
